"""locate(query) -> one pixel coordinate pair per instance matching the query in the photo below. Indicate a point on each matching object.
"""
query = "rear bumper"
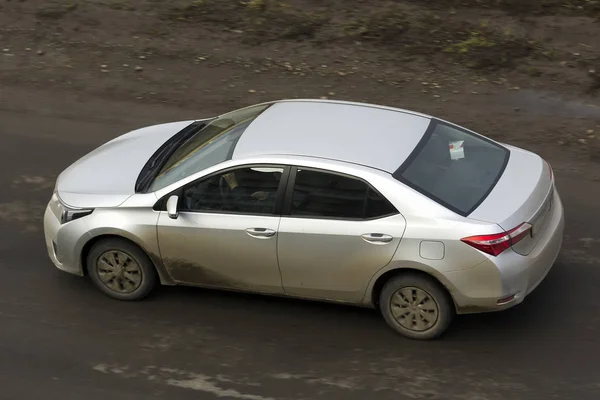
(504, 281)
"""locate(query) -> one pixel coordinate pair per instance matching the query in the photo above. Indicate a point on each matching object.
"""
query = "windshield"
(210, 146)
(454, 167)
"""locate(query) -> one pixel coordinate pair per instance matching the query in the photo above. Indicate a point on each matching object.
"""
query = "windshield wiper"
(160, 157)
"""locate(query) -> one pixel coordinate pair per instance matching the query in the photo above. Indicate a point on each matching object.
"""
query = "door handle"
(260, 232)
(377, 238)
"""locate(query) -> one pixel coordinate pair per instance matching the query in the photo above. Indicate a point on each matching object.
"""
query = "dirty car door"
(336, 233)
(226, 232)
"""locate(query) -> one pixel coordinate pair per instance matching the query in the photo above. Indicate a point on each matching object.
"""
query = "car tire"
(133, 273)
(416, 306)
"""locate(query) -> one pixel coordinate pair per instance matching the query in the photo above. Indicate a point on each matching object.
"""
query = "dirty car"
(323, 200)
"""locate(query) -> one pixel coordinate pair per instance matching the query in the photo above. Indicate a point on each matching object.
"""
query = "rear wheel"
(121, 270)
(416, 306)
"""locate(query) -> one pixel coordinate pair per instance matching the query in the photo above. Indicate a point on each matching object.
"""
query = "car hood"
(106, 176)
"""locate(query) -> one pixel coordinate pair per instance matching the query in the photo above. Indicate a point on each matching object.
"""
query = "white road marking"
(37, 182)
(340, 383)
(29, 214)
(580, 256)
(588, 242)
(183, 379)
(204, 383)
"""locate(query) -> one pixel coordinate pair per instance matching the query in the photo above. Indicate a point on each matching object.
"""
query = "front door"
(338, 234)
(226, 232)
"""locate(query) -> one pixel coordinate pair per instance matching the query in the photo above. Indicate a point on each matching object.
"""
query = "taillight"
(551, 172)
(497, 243)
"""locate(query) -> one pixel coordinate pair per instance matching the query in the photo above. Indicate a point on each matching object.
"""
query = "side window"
(328, 195)
(378, 206)
(249, 190)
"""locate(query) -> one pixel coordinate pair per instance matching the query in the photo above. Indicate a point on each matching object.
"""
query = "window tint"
(377, 206)
(245, 190)
(454, 167)
(328, 195)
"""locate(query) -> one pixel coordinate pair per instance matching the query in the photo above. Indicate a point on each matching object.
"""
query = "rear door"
(336, 232)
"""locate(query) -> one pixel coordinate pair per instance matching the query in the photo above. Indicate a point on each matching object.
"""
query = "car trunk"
(523, 193)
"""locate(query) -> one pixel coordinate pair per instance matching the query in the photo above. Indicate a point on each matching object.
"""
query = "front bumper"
(64, 242)
(504, 281)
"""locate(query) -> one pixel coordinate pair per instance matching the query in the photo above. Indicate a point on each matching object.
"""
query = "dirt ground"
(521, 71)
(74, 74)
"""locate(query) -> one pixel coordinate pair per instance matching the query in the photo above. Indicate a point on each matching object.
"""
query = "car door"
(336, 232)
(225, 234)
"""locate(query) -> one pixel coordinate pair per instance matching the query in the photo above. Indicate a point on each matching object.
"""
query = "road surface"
(61, 339)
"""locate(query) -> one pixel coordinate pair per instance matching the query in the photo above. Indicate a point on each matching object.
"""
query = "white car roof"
(373, 136)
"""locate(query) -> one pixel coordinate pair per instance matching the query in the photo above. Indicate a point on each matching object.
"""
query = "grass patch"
(583, 7)
(413, 32)
(399, 28)
(475, 42)
(270, 20)
(200, 11)
(259, 20)
(490, 50)
(55, 11)
(536, 7)
(119, 5)
(522, 7)
(384, 25)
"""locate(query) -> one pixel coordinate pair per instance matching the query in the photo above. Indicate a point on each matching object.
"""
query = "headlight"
(68, 214)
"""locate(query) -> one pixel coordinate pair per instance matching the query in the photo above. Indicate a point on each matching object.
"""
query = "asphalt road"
(60, 339)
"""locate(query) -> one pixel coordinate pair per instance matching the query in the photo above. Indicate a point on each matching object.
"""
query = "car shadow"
(541, 314)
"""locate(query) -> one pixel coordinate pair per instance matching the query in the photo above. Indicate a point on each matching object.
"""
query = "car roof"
(370, 135)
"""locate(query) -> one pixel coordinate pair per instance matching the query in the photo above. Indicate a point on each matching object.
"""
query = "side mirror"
(172, 207)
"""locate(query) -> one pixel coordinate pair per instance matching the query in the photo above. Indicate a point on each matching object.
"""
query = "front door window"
(249, 190)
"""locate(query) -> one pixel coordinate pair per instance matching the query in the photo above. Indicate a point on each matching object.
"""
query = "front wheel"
(121, 270)
(416, 306)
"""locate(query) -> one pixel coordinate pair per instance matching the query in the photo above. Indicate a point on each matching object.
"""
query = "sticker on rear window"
(457, 150)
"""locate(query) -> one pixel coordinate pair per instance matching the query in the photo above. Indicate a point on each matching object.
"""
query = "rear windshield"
(454, 167)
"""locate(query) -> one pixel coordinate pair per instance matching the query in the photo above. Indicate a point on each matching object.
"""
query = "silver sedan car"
(325, 200)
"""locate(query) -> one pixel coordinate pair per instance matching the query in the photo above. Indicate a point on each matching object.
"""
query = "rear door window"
(454, 167)
(320, 194)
